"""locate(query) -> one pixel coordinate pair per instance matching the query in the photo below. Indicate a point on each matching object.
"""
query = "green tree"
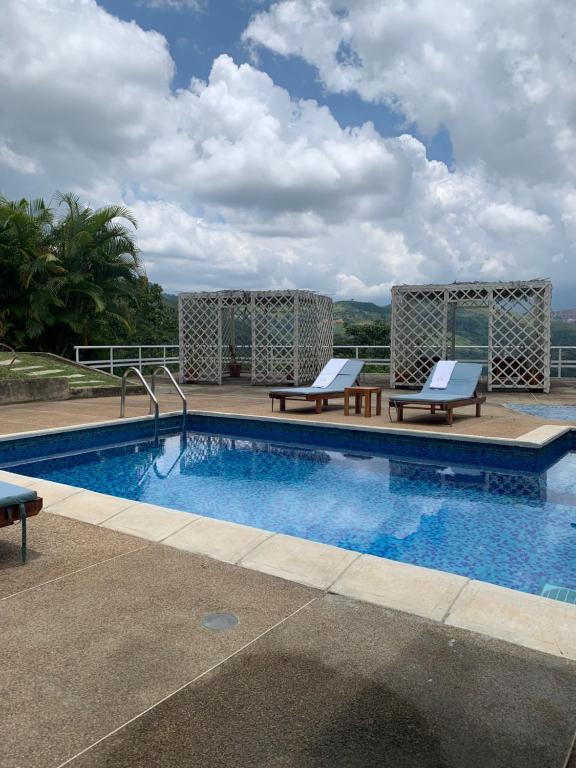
(155, 320)
(66, 275)
(29, 270)
(368, 334)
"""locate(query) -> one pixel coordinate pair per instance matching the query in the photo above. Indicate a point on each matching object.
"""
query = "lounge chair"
(333, 388)
(460, 390)
(17, 503)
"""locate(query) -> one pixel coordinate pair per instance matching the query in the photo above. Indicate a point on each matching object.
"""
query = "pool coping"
(524, 619)
(534, 438)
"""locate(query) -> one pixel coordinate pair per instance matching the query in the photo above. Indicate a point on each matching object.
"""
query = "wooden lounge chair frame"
(319, 400)
(431, 406)
(318, 395)
(22, 511)
(433, 400)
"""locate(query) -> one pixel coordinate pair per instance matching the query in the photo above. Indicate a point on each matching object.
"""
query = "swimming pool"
(560, 412)
(499, 513)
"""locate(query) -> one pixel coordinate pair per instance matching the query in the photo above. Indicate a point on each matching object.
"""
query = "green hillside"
(353, 312)
(471, 324)
(170, 299)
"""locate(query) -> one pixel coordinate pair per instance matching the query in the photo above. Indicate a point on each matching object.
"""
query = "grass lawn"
(38, 366)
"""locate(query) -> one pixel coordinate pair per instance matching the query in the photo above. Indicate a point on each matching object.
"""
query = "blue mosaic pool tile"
(503, 514)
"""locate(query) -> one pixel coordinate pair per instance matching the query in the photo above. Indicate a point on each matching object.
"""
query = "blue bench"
(18, 503)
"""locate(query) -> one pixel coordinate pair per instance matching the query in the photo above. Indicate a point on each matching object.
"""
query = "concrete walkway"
(107, 665)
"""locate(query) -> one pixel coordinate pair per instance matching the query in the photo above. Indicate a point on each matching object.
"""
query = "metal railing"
(562, 358)
(562, 363)
(166, 354)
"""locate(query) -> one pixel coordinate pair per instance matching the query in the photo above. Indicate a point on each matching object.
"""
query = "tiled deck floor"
(106, 664)
(496, 421)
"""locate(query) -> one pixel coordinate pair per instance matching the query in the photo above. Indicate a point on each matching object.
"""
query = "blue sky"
(197, 37)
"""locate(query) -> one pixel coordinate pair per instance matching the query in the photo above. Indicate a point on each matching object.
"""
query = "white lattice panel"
(200, 338)
(419, 322)
(518, 331)
(273, 324)
(291, 334)
(520, 338)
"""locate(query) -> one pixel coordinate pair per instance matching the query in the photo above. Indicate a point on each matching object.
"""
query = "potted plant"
(234, 367)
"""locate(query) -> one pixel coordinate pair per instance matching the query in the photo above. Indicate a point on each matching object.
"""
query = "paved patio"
(241, 398)
(109, 665)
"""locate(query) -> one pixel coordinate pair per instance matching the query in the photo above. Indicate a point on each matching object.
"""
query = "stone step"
(47, 372)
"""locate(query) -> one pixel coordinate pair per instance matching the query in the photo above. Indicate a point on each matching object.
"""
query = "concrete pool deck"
(528, 620)
(109, 667)
(367, 663)
(243, 399)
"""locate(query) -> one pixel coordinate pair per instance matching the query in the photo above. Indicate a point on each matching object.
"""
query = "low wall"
(96, 391)
(27, 390)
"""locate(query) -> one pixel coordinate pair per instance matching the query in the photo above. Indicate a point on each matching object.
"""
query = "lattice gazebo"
(282, 336)
(424, 331)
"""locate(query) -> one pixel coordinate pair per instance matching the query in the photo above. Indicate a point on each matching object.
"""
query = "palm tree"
(65, 279)
(102, 269)
(29, 270)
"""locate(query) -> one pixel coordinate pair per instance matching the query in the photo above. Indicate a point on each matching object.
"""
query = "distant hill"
(171, 299)
(471, 325)
(564, 314)
(353, 312)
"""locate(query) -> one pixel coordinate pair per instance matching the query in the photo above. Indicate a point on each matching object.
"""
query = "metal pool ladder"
(153, 399)
(150, 389)
(165, 370)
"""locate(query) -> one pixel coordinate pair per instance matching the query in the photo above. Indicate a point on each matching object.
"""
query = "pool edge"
(545, 433)
(520, 618)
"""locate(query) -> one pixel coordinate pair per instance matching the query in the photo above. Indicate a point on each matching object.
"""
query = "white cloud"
(15, 161)
(236, 184)
(507, 218)
(498, 75)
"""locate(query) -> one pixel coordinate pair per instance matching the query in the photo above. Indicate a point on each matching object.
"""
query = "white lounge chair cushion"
(327, 375)
(442, 374)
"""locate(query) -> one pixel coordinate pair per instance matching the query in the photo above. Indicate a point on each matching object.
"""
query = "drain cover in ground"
(219, 622)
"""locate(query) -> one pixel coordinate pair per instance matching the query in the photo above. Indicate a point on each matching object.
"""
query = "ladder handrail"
(153, 398)
(174, 382)
(14, 355)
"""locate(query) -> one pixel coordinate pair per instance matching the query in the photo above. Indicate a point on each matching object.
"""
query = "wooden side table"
(363, 393)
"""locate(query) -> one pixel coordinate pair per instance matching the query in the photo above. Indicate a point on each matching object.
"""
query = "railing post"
(77, 350)
(356, 353)
(559, 363)
(140, 359)
(112, 360)
(164, 354)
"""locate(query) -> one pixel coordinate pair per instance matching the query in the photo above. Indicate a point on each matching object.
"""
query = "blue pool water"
(441, 504)
(560, 412)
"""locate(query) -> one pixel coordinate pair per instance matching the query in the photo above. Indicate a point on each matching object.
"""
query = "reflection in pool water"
(507, 527)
